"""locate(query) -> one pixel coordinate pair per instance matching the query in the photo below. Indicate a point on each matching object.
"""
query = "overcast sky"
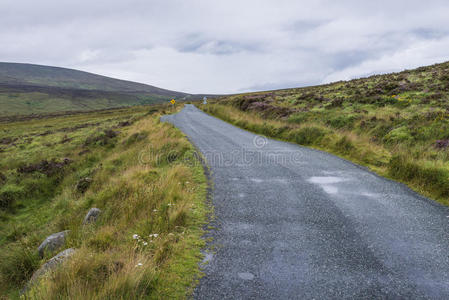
(227, 46)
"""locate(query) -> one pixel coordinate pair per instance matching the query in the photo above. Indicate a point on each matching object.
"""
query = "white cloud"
(226, 46)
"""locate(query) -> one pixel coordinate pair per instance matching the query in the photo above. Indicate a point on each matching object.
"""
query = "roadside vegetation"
(395, 124)
(142, 174)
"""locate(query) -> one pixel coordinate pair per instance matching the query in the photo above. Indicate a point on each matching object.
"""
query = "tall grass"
(144, 182)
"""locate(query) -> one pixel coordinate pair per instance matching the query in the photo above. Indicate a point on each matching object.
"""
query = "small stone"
(92, 215)
(52, 242)
(48, 266)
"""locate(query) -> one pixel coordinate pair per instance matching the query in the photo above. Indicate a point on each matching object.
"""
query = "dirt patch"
(7, 140)
(124, 124)
(102, 139)
(46, 167)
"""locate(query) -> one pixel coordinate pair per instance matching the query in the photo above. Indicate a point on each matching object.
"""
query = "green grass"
(141, 180)
(390, 123)
(24, 103)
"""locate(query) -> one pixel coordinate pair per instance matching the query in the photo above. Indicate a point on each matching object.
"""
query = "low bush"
(433, 177)
(398, 135)
(309, 135)
(297, 118)
(136, 137)
(344, 145)
(10, 193)
(343, 121)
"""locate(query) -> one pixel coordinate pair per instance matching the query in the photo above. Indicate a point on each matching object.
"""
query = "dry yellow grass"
(146, 243)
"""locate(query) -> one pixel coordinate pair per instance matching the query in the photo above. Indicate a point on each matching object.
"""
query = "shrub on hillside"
(135, 137)
(398, 135)
(309, 135)
(10, 193)
(297, 118)
(104, 138)
(431, 176)
(342, 121)
(344, 145)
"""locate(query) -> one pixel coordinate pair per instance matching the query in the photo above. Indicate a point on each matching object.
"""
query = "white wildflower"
(136, 236)
(139, 265)
(145, 243)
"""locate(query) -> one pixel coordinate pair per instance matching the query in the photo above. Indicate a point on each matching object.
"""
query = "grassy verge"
(405, 141)
(141, 173)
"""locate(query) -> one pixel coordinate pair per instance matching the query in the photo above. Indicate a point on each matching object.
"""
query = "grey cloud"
(347, 59)
(196, 43)
(226, 46)
(302, 26)
(429, 33)
(277, 85)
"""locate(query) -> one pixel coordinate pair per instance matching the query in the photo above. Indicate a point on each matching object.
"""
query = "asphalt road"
(296, 223)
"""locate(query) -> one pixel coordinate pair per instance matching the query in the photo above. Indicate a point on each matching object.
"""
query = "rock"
(48, 266)
(92, 215)
(52, 242)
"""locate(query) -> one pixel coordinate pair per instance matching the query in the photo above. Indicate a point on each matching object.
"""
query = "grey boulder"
(92, 215)
(48, 266)
(52, 242)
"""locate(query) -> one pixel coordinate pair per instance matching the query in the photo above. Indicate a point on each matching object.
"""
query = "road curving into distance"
(297, 223)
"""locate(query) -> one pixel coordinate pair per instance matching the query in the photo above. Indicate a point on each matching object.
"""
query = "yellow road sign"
(173, 101)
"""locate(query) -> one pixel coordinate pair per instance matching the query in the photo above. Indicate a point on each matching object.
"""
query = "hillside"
(396, 124)
(142, 178)
(35, 89)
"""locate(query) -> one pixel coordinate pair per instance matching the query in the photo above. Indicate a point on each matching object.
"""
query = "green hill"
(35, 89)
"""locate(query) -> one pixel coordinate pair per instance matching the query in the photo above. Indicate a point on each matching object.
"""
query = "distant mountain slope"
(36, 89)
(70, 78)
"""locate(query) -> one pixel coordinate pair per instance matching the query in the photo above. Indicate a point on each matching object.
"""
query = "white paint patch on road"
(246, 276)
(256, 180)
(325, 179)
(281, 180)
(371, 195)
(330, 189)
(327, 183)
